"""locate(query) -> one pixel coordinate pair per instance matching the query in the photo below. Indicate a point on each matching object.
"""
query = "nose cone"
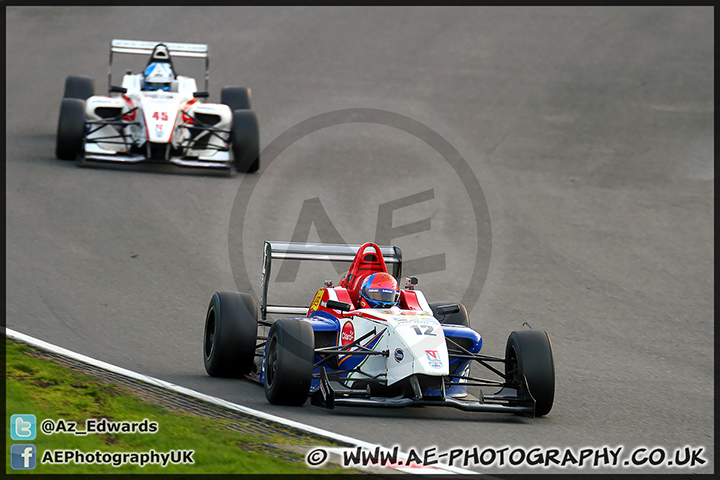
(160, 113)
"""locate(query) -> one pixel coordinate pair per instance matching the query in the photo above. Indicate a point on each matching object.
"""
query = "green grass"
(50, 391)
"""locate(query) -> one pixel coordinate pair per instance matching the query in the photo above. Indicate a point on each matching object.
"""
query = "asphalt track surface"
(589, 130)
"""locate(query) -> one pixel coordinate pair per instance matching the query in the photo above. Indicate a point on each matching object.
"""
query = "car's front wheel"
(289, 362)
(79, 87)
(245, 141)
(237, 98)
(529, 353)
(230, 334)
(71, 128)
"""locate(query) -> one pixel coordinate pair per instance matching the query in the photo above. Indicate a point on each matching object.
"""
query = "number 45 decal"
(160, 116)
(428, 330)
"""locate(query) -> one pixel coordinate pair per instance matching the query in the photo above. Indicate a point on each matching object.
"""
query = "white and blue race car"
(366, 342)
(158, 116)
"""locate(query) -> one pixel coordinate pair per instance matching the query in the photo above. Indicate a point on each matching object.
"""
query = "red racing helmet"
(379, 290)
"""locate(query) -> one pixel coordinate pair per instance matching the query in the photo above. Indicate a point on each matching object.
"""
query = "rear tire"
(289, 362)
(529, 353)
(230, 335)
(71, 129)
(245, 141)
(237, 98)
(459, 318)
(79, 87)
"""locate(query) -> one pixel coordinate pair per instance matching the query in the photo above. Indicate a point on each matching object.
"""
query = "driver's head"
(158, 76)
(379, 290)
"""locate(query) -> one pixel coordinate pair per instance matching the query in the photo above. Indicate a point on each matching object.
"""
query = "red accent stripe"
(409, 301)
(129, 117)
(358, 313)
(343, 295)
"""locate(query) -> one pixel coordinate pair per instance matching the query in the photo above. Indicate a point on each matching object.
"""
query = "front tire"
(289, 362)
(230, 334)
(529, 353)
(237, 98)
(79, 87)
(245, 141)
(71, 129)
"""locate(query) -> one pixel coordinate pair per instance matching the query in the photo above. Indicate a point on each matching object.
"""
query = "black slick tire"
(245, 141)
(237, 98)
(230, 335)
(79, 87)
(529, 353)
(71, 128)
(289, 362)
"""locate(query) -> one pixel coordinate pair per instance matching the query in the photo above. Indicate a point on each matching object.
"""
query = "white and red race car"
(158, 116)
(339, 351)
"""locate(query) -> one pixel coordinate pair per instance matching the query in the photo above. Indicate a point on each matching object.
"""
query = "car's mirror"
(117, 89)
(342, 306)
(201, 94)
(448, 309)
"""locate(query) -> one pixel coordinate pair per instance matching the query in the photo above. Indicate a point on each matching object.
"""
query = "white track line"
(228, 405)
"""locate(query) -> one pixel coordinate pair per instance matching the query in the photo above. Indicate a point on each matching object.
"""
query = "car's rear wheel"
(529, 353)
(71, 128)
(79, 87)
(289, 362)
(458, 318)
(245, 141)
(230, 334)
(237, 98)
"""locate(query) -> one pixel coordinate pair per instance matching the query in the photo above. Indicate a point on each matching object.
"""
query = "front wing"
(333, 388)
(511, 399)
(110, 140)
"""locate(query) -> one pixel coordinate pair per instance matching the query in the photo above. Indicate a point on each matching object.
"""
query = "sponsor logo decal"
(399, 355)
(160, 97)
(316, 301)
(415, 321)
(322, 390)
(347, 335)
(433, 358)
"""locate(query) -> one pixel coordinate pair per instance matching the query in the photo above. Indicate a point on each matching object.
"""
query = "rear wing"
(139, 47)
(329, 252)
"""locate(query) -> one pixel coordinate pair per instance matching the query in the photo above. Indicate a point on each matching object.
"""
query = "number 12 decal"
(160, 116)
(428, 330)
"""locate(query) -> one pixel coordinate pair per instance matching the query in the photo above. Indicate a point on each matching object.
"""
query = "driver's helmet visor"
(158, 75)
(382, 296)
